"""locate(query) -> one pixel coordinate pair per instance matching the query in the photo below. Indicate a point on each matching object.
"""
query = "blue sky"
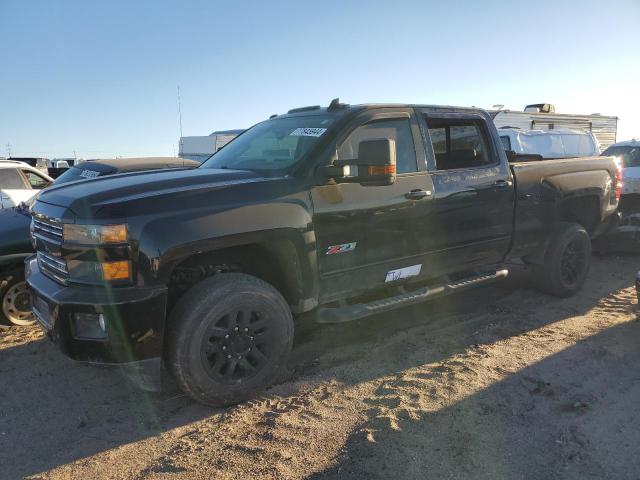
(100, 78)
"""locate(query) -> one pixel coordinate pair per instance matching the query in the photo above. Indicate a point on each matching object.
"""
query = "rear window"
(506, 142)
(630, 155)
(578, 145)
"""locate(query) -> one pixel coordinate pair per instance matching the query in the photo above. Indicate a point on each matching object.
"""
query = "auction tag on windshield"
(307, 132)
(89, 173)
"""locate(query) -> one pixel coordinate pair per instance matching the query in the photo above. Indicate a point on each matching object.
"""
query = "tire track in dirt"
(455, 396)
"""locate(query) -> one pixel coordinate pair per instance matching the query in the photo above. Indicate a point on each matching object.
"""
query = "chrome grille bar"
(48, 227)
(53, 267)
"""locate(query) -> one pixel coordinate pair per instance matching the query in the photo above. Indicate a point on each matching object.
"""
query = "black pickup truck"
(335, 213)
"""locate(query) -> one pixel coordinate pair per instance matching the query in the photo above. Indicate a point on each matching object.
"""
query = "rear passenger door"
(473, 206)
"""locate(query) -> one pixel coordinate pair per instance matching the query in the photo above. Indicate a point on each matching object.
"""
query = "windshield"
(630, 155)
(273, 145)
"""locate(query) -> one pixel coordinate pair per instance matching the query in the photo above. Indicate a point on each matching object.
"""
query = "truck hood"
(88, 196)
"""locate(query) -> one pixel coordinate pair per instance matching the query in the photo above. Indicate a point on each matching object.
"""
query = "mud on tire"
(228, 338)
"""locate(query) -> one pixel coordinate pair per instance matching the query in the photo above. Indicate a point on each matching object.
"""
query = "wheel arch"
(279, 258)
(585, 210)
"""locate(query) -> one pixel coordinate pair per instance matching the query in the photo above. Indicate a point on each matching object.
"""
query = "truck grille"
(54, 267)
(48, 228)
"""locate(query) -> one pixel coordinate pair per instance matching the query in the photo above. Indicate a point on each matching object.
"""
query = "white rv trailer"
(543, 117)
(202, 147)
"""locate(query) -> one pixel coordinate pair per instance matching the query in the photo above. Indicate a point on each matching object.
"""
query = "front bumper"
(134, 318)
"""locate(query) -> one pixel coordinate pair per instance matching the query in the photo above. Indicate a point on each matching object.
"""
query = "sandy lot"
(501, 382)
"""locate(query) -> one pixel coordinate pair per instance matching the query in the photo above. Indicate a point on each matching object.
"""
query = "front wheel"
(566, 262)
(15, 300)
(228, 338)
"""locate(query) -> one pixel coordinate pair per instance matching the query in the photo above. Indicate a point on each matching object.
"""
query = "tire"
(228, 338)
(566, 261)
(15, 300)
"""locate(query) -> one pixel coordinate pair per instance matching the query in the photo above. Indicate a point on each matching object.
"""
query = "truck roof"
(538, 132)
(628, 143)
(13, 164)
(342, 108)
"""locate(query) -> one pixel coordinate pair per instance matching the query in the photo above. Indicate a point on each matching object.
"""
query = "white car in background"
(629, 154)
(557, 143)
(19, 182)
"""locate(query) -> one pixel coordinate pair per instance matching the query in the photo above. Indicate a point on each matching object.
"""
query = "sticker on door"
(395, 275)
(343, 248)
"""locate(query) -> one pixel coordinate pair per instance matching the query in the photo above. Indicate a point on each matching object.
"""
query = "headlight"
(98, 273)
(94, 234)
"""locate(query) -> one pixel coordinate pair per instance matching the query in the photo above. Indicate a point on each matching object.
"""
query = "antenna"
(179, 112)
(179, 126)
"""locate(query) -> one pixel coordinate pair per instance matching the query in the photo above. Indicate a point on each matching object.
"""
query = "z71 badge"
(345, 247)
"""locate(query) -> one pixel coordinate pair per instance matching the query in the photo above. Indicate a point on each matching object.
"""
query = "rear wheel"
(15, 300)
(228, 338)
(566, 261)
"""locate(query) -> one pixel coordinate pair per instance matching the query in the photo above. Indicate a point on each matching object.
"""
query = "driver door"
(366, 233)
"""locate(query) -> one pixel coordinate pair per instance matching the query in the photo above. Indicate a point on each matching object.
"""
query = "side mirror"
(375, 165)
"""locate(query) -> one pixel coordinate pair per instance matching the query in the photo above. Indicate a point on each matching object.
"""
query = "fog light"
(90, 326)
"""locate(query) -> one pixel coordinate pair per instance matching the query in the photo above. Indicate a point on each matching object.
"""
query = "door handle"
(502, 183)
(417, 194)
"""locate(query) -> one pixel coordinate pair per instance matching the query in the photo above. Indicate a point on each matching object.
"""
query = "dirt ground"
(501, 382)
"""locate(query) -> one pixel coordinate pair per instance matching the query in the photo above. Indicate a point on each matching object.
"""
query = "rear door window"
(459, 143)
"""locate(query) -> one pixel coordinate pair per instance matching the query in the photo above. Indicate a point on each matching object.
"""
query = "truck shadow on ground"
(54, 411)
(572, 415)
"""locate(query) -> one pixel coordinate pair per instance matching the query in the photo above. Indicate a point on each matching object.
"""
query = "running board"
(348, 313)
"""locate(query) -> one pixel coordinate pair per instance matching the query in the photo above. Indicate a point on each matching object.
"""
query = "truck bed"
(576, 183)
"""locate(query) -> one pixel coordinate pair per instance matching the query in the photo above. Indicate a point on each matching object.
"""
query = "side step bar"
(348, 313)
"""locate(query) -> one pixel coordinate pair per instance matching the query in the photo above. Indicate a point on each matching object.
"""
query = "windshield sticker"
(307, 132)
(89, 174)
(395, 275)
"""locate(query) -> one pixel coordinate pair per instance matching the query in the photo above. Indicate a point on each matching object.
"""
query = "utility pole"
(8, 150)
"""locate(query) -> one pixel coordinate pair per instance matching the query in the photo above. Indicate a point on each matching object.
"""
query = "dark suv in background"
(15, 243)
